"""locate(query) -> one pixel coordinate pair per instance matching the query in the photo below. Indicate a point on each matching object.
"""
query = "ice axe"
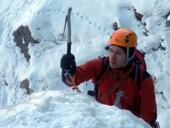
(68, 24)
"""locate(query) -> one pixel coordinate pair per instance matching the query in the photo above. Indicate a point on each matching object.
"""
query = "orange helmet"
(124, 37)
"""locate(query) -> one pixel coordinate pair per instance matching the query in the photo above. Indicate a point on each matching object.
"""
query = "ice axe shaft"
(68, 23)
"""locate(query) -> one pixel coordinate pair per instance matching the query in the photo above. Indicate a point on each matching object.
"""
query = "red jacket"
(140, 102)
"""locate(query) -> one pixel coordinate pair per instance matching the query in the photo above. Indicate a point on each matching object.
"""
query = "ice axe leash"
(68, 24)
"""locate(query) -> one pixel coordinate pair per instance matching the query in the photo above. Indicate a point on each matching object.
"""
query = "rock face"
(22, 37)
(25, 84)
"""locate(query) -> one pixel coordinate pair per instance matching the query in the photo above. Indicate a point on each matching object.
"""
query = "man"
(123, 84)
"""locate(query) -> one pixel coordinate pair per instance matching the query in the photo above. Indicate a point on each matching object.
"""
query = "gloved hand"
(68, 64)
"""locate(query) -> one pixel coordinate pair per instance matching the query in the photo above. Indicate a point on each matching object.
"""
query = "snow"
(52, 104)
(58, 109)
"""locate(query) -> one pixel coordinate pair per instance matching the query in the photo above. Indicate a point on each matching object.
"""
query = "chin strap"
(128, 59)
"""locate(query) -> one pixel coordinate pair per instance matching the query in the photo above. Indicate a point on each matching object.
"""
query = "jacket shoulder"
(145, 75)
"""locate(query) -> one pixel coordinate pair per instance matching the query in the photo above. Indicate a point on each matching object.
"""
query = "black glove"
(68, 64)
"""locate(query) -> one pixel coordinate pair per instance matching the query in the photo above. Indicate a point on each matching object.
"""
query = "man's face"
(117, 57)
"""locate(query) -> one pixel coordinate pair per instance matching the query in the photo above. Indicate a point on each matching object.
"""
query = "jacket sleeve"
(148, 109)
(87, 71)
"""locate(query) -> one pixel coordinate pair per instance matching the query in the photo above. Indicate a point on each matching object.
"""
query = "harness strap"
(116, 85)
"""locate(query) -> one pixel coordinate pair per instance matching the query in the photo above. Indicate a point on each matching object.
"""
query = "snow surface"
(56, 109)
(52, 104)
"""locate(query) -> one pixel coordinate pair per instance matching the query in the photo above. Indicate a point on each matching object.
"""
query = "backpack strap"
(138, 80)
(139, 58)
(105, 67)
(138, 76)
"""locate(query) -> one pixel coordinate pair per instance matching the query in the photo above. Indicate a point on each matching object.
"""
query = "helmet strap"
(128, 59)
